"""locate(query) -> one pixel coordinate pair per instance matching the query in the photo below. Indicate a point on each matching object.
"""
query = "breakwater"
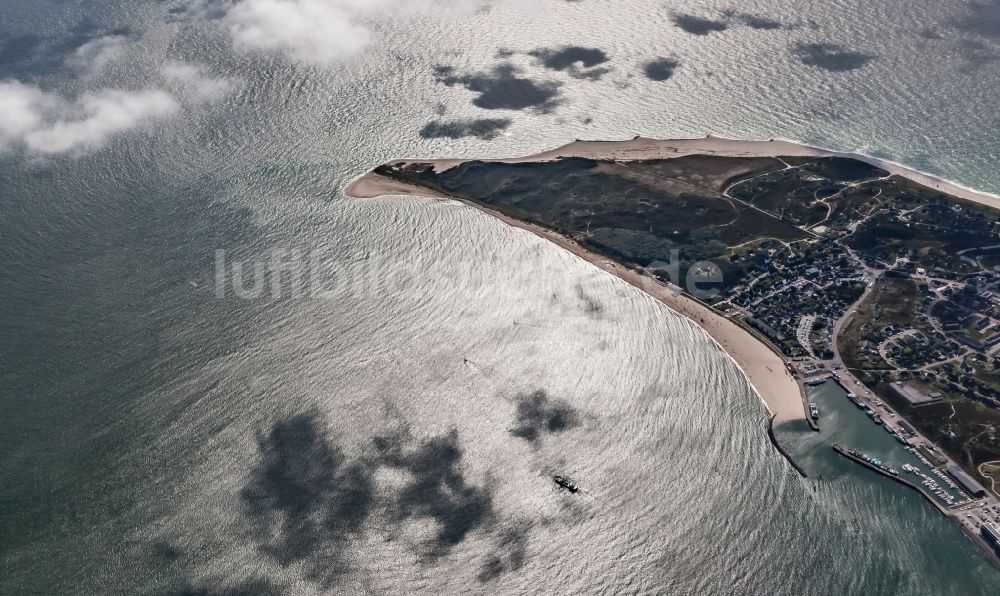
(781, 450)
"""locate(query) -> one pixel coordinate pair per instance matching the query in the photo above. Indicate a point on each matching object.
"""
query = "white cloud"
(96, 54)
(195, 82)
(315, 31)
(47, 123)
(98, 116)
(22, 110)
(326, 32)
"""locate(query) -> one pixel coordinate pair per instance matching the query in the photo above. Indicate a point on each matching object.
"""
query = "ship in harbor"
(874, 416)
(875, 462)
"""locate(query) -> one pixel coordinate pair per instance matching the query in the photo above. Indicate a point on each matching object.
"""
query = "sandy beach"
(766, 370)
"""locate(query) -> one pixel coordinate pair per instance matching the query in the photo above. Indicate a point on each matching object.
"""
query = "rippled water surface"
(394, 429)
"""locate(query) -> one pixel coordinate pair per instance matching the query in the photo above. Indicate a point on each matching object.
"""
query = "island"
(802, 263)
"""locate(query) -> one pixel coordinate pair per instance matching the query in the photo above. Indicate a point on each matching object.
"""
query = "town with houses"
(909, 326)
(916, 324)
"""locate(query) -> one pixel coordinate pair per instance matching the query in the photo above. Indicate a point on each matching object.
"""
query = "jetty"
(883, 472)
(781, 450)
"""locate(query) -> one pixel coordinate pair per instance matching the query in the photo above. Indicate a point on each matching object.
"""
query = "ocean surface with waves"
(379, 408)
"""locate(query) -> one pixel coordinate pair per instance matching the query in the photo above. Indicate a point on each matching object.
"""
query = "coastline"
(766, 370)
(769, 373)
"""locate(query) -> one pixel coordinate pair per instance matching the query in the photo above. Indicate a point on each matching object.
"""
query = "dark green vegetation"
(813, 192)
(928, 228)
(636, 212)
(751, 217)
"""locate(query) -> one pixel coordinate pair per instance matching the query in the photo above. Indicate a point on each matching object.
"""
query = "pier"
(803, 383)
(941, 508)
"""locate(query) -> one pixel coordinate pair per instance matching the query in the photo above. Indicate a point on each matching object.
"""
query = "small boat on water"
(566, 483)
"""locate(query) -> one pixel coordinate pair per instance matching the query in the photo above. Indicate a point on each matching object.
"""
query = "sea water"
(393, 424)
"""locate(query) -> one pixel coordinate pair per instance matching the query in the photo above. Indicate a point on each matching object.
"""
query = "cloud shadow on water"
(592, 306)
(30, 55)
(438, 489)
(931, 33)
(509, 553)
(759, 22)
(485, 129)
(660, 69)
(578, 61)
(983, 19)
(209, 10)
(503, 88)
(698, 25)
(305, 498)
(537, 414)
(831, 57)
(249, 587)
(164, 553)
(19, 48)
(977, 54)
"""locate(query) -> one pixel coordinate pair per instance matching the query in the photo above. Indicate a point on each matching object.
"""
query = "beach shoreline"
(767, 371)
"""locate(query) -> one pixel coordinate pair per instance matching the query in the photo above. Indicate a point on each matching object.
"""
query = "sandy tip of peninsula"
(372, 185)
